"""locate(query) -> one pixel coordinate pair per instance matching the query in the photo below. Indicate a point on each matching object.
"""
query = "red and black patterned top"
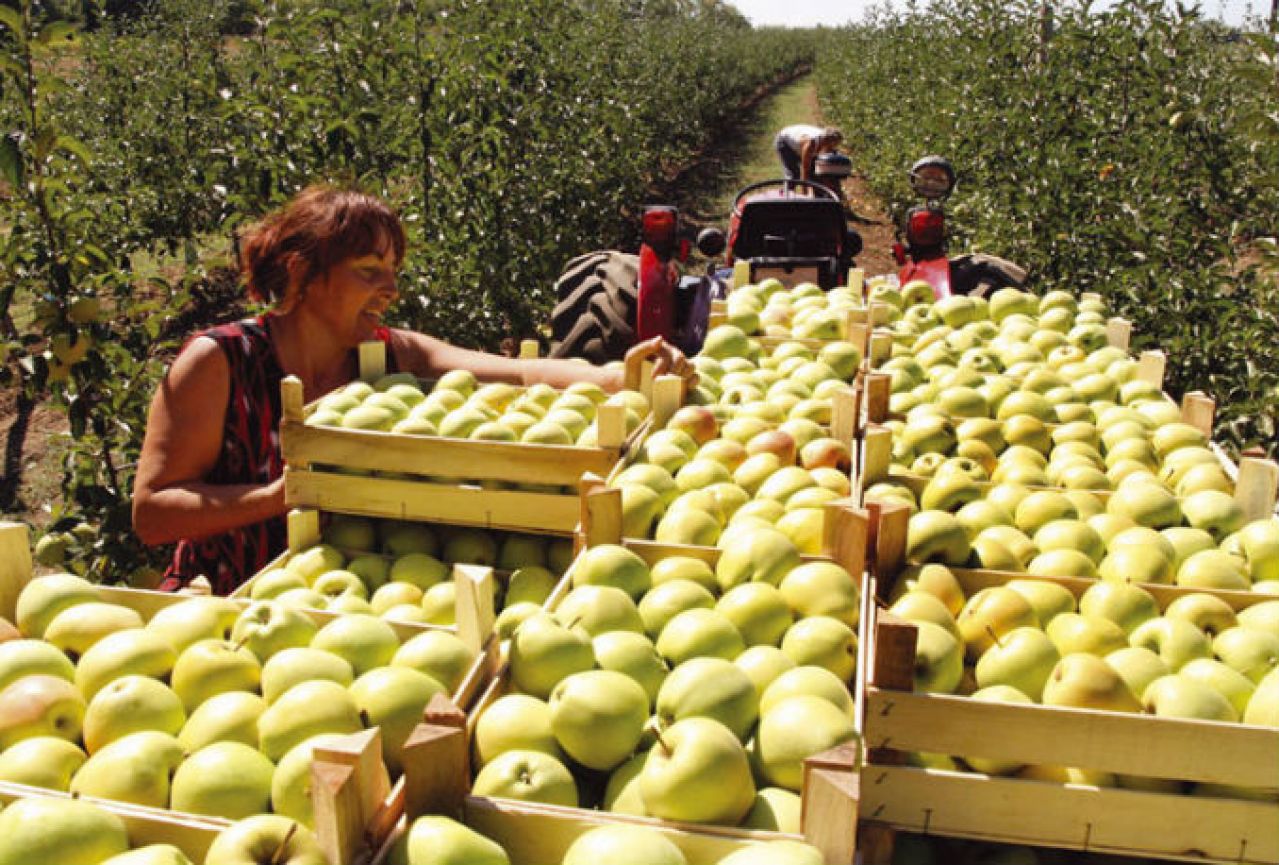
(250, 455)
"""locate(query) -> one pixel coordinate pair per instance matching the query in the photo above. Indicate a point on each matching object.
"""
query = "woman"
(799, 146)
(210, 476)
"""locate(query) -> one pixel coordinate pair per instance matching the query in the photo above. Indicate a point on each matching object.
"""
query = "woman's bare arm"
(429, 357)
(183, 438)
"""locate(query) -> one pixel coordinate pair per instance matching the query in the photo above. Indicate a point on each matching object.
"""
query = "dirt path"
(704, 193)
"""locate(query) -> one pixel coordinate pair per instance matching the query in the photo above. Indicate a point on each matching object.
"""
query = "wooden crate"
(326, 468)
(1017, 811)
(350, 787)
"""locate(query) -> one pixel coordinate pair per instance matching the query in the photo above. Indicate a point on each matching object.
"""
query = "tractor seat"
(789, 227)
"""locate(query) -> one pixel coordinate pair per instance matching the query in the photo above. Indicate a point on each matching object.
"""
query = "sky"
(808, 13)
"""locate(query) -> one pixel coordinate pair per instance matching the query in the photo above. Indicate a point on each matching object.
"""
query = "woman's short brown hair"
(322, 226)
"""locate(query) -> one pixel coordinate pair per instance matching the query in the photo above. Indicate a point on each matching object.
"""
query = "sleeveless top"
(795, 136)
(250, 455)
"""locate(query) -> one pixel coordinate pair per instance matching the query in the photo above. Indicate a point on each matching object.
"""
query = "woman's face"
(355, 294)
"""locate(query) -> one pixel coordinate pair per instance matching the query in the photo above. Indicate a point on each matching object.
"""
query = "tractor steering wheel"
(786, 185)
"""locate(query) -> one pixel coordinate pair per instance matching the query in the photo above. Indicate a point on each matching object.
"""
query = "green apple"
(990, 614)
(135, 769)
(340, 584)
(775, 810)
(305, 710)
(1214, 569)
(41, 761)
(291, 666)
(231, 716)
(1260, 617)
(1148, 504)
(698, 772)
(195, 619)
(418, 569)
(1176, 642)
(78, 627)
(1253, 653)
(266, 839)
(1097, 635)
(598, 717)
(266, 627)
(765, 555)
(633, 655)
(919, 606)
(615, 566)
(763, 664)
(532, 583)
(699, 632)
(1135, 563)
(795, 729)
(226, 779)
(1208, 613)
(1177, 696)
(674, 568)
(938, 580)
(1085, 681)
(131, 704)
(137, 651)
(40, 705)
(1122, 603)
(62, 831)
(669, 598)
(209, 667)
(514, 722)
(1263, 708)
(710, 688)
(20, 658)
(815, 681)
(43, 598)
(543, 651)
(599, 609)
(313, 561)
(529, 776)
(936, 536)
(1023, 659)
(393, 698)
(440, 654)
(1229, 683)
(364, 641)
(1138, 667)
(1047, 599)
(151, 854)
(1259, 541)
(759, 610)
(939, 659)
(821, 589)
(822, 641)
(623, 843)
(622, 793)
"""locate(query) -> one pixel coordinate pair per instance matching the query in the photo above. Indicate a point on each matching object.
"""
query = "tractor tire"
(595, 314)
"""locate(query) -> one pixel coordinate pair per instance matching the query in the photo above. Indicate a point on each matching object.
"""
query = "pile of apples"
(683, 691)
(401, 570)
(211, 707)
(1112, 649)
(459, 407)
(769, 309)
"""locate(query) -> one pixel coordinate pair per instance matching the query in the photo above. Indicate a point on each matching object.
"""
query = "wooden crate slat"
(437, 456)
(411, 500)
(1188, 828)
(1130, 744)
(534, 834)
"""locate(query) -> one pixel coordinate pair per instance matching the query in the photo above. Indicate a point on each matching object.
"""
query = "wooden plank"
(1199, 410)
(878, 391)
(437, 763)
(15, 565)
(412, 500)
(741, 273)
(529, 349)
(668, 394)
(610, 424)
(372, 360)
(348, 785)
(474, 605)
(292, 399)
(1124, 822)
(844, 532)
(1151, 366)
(843, 416)
(877, 453)
(891, 528)
(439, 457)
(857, 280)
(189, 833)
(1256, 487)
(881, 346)
(536, 834)
(601, 521)
(303, 529)
(829, 808)
(1119, 332)
(1130, 744)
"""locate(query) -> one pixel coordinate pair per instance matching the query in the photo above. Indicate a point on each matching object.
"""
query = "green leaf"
(56, 31)
(75, 147)
(11, 167)
(13, 20)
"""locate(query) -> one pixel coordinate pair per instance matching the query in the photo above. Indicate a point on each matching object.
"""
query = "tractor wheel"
(594, 317)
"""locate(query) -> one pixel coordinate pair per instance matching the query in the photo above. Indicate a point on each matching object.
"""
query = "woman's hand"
(666, 358)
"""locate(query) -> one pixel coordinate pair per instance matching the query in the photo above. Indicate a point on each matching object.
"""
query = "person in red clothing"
(210, 476)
